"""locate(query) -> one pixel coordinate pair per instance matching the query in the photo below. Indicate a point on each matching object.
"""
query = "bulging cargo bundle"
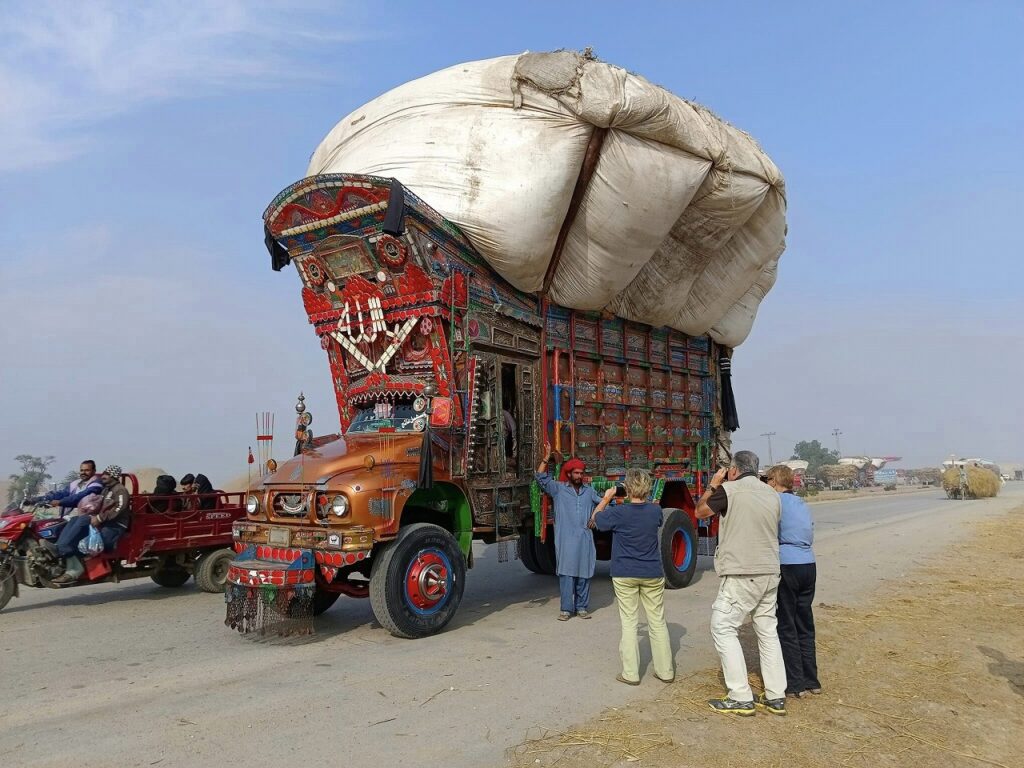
(575, 178)
(973, 483)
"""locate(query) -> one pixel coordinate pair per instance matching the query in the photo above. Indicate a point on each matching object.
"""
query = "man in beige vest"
(747, 561)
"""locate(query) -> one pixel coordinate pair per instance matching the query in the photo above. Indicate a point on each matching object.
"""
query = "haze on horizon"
(140, 145)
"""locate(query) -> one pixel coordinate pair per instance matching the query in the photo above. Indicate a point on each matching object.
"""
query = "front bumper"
(267, 567)
(330, 550)
(353, 538)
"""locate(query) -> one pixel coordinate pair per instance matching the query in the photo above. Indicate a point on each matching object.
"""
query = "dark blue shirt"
(635, 549)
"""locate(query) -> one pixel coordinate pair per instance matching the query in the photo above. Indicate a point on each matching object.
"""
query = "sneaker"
(797, 694)
(621, 679)
(775, 706)
(815, 691)
(564, 615)
(729, 707)
(583, 613)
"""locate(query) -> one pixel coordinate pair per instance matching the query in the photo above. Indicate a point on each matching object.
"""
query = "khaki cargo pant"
(739, 597)
(629, 595)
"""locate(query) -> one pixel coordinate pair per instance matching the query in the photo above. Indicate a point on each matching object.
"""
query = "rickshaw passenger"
(112, 521)
(207, 494)
(165, 486)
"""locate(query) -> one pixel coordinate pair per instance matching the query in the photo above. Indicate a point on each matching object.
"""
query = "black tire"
(211, 569)
(527, 552)
(544, 553)
(322, 600)
(170, 577)
(6, 589)
(436, 592)
(678, 548)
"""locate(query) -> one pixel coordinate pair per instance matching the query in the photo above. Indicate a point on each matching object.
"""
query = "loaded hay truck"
(449, 376)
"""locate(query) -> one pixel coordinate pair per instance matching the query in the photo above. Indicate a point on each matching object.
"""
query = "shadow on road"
(85, 596)
(492, 587)
(1001, 666)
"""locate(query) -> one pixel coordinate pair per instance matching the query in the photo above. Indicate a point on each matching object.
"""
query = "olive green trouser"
(629, 595)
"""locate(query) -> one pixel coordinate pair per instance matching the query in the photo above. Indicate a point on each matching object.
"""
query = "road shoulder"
(929, 673)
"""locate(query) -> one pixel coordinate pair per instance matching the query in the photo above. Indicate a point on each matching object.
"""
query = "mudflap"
(7, 571)
(270, 590)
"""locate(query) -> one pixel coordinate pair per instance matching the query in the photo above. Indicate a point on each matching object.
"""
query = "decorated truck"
(461, 339)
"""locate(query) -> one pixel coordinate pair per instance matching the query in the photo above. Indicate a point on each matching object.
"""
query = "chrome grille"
(291, 504)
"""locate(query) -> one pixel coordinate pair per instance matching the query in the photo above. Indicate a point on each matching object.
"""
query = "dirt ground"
(930, 673)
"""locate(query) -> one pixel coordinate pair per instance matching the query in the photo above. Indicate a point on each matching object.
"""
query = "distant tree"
(815, 454)
(70, 477)
(33, 476)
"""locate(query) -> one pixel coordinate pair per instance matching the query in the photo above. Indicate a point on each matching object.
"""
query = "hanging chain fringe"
(281, 611)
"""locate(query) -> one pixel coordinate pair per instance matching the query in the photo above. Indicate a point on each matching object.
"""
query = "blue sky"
(140, 144)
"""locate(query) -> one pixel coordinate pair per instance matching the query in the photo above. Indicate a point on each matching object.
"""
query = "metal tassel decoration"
(270, 610)
(730, 419)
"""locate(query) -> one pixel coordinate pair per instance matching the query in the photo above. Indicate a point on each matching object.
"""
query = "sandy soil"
(931, 673)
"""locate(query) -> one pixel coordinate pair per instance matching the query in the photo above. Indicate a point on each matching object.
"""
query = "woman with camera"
(637, 575)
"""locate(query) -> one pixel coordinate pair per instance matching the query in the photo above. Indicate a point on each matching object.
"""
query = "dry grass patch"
(932, 675)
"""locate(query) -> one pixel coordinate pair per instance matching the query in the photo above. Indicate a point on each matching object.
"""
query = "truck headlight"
(339, 506)
(252, 505)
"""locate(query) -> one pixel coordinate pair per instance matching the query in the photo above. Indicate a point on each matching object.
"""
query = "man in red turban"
(572, 465)
(573, 501)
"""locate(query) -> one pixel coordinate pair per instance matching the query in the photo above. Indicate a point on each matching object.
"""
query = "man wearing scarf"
(573, 502)
(111, 521)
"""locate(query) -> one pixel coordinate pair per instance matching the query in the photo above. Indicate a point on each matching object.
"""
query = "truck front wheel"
(417, 581)
(678, 548)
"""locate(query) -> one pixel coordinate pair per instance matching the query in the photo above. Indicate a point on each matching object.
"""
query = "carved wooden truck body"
(448, 381)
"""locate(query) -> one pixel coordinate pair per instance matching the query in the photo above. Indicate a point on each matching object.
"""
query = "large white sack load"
(681, 222)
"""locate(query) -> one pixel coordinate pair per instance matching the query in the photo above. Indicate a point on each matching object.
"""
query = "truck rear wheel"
(678, 548)
(417, 581)
(211, 570)
(544, 552)
(528, 551)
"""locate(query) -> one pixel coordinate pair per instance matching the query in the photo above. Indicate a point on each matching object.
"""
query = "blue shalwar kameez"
(574, 541)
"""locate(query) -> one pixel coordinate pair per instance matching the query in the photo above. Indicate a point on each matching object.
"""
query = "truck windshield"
(385, 415)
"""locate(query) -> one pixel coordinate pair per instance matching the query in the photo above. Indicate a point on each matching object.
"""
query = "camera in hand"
(620, 491)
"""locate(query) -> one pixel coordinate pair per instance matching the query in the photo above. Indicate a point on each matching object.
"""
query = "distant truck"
(448, 381)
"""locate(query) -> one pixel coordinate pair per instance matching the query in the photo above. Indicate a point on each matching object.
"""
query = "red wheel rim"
(427, 580)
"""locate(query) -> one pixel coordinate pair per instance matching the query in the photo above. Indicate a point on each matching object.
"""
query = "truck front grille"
(291, 504)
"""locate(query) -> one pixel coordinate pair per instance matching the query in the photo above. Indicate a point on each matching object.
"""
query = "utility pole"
(771, 462)
(836, 433)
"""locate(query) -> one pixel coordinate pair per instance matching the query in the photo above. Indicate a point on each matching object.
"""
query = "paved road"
(137, 675)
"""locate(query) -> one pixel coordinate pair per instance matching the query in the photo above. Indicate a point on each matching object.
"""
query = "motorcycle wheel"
(6, 587)
(45, 564)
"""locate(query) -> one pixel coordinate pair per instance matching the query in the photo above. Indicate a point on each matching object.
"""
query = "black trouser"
(796, 626)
